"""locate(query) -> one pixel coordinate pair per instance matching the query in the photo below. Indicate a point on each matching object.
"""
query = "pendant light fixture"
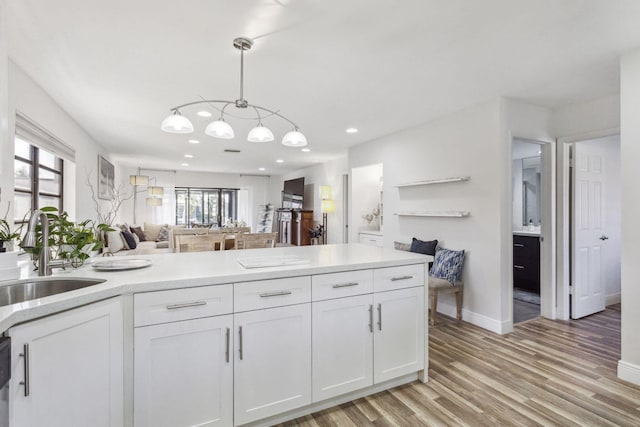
(177, 123)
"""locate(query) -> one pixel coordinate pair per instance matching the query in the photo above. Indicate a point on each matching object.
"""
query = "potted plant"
(6, 235)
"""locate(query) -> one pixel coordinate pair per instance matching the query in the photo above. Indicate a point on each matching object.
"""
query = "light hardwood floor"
(544, 373)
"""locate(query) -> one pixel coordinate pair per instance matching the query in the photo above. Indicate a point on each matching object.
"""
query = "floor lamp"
(327, 204)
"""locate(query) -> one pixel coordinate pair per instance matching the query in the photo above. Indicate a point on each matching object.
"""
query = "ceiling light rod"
(177, 123)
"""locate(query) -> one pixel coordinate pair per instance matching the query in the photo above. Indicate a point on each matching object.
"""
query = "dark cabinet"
(294, 227)
(526, 263)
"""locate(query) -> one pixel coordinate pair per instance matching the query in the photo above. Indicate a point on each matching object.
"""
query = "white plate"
(121, 264)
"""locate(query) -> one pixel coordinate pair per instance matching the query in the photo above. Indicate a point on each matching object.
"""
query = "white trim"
(476, 319)
(614, 299)
(629, 372)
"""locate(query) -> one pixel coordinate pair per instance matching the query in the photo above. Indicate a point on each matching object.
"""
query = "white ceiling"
(118, 66)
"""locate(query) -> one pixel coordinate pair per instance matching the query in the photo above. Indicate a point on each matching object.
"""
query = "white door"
(184, 373)
(272, 361)
(588, 290)
(398, 342)
(342, 346)
(67, 368)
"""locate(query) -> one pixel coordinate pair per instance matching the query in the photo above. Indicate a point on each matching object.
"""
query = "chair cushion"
(448, 265)
(437, 283)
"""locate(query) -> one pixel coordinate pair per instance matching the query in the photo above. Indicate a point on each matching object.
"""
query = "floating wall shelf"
(452, 214)
(433, 181)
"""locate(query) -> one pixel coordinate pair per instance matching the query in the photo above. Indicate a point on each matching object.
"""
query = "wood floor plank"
(549, 373)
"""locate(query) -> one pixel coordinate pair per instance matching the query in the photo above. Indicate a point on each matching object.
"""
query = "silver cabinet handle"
(518, 245)
(395, 279)
(226, 353)
(518, 266)
(371, 318)
(186, 305)
(25, 383)
(380, 316)
(240, 345)
(275, 294)
(345, 285)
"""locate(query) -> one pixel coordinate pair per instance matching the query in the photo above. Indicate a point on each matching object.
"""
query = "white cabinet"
(399, 333)
(272, 361)
(372, 239)
(343, 346)
(184, 373)
(67, 368)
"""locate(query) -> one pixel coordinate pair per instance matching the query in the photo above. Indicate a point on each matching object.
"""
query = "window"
(206, 206)
(38, 179)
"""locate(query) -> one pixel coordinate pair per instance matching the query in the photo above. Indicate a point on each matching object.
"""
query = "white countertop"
(171, 271)
(526, 232)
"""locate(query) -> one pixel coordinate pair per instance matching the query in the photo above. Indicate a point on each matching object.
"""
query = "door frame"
(562, 213)
(547, 230)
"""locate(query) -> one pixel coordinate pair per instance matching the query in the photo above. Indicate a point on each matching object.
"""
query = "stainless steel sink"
(30, 289)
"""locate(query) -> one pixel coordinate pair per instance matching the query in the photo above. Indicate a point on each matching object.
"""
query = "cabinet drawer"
(181, 304)
(371, 239)
(336, 285)
(405, 276)
(271, 293)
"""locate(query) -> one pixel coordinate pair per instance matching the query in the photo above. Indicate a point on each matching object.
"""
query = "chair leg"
(434, 305)
(459, 304)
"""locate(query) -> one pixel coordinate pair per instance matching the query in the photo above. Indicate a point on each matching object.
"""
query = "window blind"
(33, 133)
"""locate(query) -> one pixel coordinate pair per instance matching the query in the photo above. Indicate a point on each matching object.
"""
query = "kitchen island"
(198, 339)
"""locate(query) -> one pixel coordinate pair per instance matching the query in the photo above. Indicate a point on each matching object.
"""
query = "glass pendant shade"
(294, 138)
(177, 123)
(154, 201)
(155, 191)
(138, 180)
(219, 129)
(260, 134)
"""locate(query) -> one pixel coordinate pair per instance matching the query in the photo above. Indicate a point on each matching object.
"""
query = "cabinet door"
(342, 346)
(73, 375)
(184, 373)
(272, 361)
(399, 333)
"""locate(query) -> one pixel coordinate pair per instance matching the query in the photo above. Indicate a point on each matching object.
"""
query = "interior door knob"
(603, 237)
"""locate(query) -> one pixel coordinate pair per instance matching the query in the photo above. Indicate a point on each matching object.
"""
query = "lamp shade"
(219, 129)
(294, 138)
(177, 123)
(155, 191)
(328, 205)
(260, 134)
(325, 192)
(154, 201)
(139, 180)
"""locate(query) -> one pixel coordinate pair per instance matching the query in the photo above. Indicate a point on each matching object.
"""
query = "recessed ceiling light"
(351, 130)
(306, 150)
(194, 141)
(204, 114)
(188, 156)
(261, 169)
(279, 161)
(185, 164)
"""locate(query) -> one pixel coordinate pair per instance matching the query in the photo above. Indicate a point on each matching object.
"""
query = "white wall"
(463, 143)
(30, 99)
(629, 365)
(582, 118)
(609, 149)
(365, 197)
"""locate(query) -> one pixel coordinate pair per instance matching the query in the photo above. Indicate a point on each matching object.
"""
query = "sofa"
(146, 239)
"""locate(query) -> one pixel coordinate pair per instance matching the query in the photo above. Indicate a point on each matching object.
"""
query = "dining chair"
(199, 243)
(256, 240)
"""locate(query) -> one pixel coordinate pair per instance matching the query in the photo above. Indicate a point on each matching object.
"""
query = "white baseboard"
(480, 320)
(629, 372)
(614, 299)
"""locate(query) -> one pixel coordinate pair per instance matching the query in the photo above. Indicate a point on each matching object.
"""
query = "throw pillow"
(114, 241)
(138, 232)
(136, 238)
(448, 265)
(401, 246)
(129, 239)
(151, 231)
(424, 247)
(163, 235)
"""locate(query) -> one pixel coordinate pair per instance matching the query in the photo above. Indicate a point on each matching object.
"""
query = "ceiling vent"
(231, 150)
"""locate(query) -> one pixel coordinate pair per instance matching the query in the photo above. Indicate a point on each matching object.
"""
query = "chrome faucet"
(30, 241)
